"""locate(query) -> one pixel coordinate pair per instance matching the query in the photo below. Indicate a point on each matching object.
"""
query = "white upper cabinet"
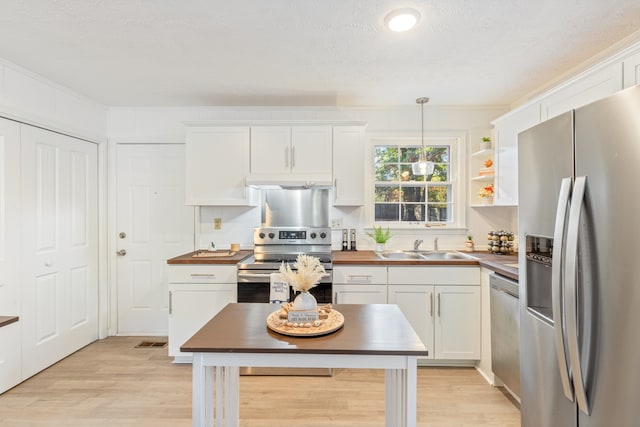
(295, 154)
(596, 85)
(348, 166)
(217, 165)
(631, 70)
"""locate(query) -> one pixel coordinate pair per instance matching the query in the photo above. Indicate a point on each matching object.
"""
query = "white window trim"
(458, 177)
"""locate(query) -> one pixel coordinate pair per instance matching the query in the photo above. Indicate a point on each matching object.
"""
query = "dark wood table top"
(369, 329)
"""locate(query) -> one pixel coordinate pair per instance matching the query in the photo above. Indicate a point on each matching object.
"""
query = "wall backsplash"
(238, 224)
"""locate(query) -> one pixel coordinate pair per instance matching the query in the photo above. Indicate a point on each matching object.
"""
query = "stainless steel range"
(294, 222)
(275, 245)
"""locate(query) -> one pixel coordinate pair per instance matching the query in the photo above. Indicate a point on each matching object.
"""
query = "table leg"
(401, 395)
(202, 411)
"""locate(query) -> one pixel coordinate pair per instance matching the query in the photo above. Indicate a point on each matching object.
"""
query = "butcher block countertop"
(7, 320)
(498, 263)
(217, 257)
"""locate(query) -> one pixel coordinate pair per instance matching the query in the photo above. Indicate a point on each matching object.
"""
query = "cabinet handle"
(335, 298)
(286, 157)
(335, 188)
(438, 304)
(293, 157)
(359, 278)
(431, 304)
(170, 303)
(197, 275)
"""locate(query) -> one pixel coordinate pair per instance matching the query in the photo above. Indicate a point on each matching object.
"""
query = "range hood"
(289, 181)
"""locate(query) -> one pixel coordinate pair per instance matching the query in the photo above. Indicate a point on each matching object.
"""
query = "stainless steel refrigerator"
(579, 226)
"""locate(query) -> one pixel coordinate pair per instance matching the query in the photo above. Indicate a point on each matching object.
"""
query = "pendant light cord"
(422, 101)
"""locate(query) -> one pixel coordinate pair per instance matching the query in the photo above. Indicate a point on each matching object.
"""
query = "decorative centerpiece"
(306, 275)
(303, 317)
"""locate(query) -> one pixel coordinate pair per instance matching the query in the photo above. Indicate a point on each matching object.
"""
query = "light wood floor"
(111, 383)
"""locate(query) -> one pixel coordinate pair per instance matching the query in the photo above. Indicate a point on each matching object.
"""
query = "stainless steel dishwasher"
(505, 332)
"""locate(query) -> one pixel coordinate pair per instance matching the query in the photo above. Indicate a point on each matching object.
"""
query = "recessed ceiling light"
(402, 19)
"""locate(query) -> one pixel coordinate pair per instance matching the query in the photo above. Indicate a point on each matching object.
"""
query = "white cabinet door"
(348, 166)
(191, 306)
(359, 294)
(311, 150)
(217, 165)
(10, 237)
(418, 305)
(10, 355)
(59, 247)
(631, 70)
(589, 88)
(457, 330)
(270, 150)
(287, 152)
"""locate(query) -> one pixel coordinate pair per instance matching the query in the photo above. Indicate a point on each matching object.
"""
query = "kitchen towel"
(279, 292)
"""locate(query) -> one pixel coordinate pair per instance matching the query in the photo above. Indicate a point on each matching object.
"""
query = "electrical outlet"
(336, 223)
(217, 223)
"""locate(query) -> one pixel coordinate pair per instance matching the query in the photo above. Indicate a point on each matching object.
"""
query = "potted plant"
(485, 144)
(468, 244)
(380, 236)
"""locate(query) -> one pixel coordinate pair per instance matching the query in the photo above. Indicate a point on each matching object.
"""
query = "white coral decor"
(308, 272)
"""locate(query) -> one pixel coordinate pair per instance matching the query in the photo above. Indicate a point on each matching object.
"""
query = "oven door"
(254, 286)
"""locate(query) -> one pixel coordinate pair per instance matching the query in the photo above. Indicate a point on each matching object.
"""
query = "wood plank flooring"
(111, 383)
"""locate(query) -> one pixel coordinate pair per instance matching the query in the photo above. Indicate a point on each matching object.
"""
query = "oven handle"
(253, 275)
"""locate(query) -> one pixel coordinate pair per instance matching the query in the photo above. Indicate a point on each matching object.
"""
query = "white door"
(59, 246)
(153, 225)
(9, 217)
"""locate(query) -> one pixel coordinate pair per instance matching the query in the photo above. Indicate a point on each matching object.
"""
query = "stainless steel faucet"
(416, 244)
(435, 244)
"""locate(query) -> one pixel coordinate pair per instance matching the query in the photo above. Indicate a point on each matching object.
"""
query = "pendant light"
(422, 166)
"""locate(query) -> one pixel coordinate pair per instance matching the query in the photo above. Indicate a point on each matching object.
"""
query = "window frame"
(457, 177)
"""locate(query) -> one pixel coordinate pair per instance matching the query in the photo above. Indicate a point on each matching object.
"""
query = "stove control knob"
(313, 235)
(261, 235)
(323, 235)
(271, 235)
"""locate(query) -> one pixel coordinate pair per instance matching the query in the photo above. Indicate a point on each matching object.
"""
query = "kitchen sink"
(422, 255)
(400, 255)
(445, 255)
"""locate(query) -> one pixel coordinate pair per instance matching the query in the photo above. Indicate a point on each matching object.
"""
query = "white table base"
(216, 380)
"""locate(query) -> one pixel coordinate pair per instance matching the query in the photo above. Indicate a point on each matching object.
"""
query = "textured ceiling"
(306, 52)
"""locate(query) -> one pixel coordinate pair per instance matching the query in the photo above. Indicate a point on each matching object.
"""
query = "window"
(404, 198)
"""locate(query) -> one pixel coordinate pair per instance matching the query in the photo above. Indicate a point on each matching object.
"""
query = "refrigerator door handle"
(557, 288)
(577, 203)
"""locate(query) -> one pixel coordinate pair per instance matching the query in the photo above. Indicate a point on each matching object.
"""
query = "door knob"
(122, 235)
(122, 252)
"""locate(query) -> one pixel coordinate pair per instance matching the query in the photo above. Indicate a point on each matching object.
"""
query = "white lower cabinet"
(442, 304)
(10, 356)
(359, 285)
(196, 294)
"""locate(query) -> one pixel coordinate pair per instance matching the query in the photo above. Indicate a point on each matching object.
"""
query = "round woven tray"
(334, 322)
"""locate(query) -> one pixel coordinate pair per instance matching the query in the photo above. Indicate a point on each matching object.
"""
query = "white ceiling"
(307, 52)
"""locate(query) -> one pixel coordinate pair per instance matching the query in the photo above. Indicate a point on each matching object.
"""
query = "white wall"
(166, 125)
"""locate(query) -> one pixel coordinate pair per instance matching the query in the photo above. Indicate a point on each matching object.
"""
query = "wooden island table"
(374, 336)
